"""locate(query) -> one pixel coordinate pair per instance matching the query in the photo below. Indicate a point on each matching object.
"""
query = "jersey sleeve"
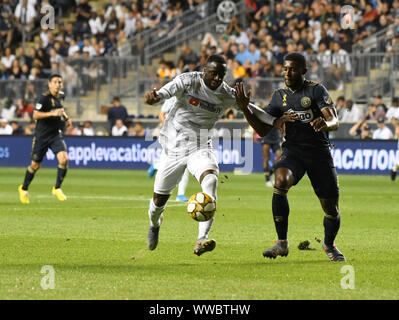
(42, 104)
(176, 86)
(275, 105)
(322, 97)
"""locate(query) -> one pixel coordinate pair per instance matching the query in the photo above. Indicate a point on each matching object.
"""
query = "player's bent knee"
(35, 165)
(160, 199)
(330, 207)
(206, 173)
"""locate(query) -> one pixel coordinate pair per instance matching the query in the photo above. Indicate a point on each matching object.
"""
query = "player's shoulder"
(190, 76)
(310, 83)
(44, 97)
(226, 89)
(279, 92)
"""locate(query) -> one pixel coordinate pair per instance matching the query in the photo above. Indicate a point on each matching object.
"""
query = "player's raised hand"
(319, 124)
(242, 98)
(152, 97)
(279, 123)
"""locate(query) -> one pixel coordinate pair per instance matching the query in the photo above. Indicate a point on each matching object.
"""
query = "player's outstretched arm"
(261, 127)
(242, 100)
(152, 97)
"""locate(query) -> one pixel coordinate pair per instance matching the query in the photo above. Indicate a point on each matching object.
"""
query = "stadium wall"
(238, 155)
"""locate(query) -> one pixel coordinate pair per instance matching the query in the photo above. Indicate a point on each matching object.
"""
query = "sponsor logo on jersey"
(195, 102)
(304, 116)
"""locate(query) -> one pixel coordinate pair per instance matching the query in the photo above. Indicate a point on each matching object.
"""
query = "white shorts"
(171, 168)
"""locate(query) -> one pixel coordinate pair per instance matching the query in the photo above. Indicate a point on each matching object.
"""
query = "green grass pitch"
(96, 241)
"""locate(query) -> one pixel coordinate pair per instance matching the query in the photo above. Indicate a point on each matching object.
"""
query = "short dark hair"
(216, 58)
(54, 75)
(297, 58)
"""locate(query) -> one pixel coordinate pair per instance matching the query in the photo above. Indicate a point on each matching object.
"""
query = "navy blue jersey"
(307, 103)
(50, 127)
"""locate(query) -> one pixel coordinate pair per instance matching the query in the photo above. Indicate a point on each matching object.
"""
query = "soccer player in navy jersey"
(306, 150)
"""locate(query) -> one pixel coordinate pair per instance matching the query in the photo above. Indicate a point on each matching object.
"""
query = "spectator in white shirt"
(7, 59)
(351, 112)
(383, 132)
(25, 15)
(88, 129)
(119, 129)
(5, 128)
(393, 111)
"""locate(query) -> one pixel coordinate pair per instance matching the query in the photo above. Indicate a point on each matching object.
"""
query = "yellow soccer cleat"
(59, 194)
(23, 195)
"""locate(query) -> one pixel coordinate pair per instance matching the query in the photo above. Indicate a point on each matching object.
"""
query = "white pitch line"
(42, 196)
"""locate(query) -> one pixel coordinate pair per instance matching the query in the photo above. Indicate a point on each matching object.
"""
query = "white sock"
(204, 227)
(209, 186)
(155, 214)
(183, 183)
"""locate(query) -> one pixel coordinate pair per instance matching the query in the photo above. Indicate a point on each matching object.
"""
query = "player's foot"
(151, 171)
(281, 248)
(204, 245)
(181, 198)
(152, 237)
(269, 183)
(23, 195)
(59, 194)
(153, 234)
(333, 253)
(393, 175)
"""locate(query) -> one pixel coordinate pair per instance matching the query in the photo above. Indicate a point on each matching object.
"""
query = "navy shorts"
(319, 167)
(40, 147)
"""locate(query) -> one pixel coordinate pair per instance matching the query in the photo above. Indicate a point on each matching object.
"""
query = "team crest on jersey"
(306, 102)
(38, 106)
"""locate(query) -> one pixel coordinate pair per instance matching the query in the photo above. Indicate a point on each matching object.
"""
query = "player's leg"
(181, 189)
(169, 173)
(58, 146)
(323, 177)
(29, 175)
(395, 168)
(204, 167)
(266, 170)
(288, 172)
(39, 150)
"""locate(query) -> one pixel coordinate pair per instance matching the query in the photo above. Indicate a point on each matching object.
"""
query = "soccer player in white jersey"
(201, 99)
(181, 189)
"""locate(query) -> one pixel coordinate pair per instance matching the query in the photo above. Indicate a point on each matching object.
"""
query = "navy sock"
(29, 175)
(281, 210)
(266, 173)
(61, 173)
(331, 227)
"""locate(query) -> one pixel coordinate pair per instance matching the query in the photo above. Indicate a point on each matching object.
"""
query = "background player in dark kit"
(49, 115)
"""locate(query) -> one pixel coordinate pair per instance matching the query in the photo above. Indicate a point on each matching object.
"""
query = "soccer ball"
(201, 207)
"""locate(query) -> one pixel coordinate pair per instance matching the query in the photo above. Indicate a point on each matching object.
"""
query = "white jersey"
(194, 112)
